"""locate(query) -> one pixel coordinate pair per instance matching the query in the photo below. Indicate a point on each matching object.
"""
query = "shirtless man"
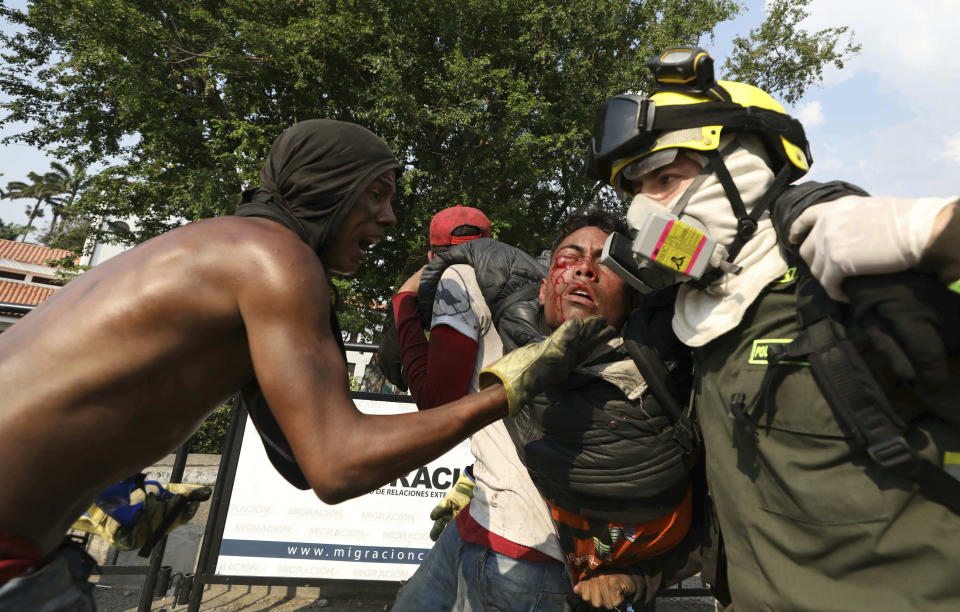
(121, 365)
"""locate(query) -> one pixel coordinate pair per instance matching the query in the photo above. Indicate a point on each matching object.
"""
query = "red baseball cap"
(449, 219)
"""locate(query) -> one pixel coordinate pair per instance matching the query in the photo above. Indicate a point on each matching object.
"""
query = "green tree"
(67, 230)
(10, 231)
(781, 57)
(43, 188)
(486, 102)
(212, 433)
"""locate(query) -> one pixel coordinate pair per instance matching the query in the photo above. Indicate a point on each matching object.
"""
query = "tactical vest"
(847, 378)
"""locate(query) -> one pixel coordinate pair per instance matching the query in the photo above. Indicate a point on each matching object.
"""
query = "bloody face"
(578, 285)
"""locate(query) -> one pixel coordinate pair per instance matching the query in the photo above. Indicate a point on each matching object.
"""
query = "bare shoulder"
(250, 250)
(272, 274)
(241, 238)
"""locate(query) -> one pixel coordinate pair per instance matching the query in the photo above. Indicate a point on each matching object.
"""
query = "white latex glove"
(856, 235)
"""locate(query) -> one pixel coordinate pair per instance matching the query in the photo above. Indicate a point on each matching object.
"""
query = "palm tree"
(9, 231)
(71, 184)
(43, 187)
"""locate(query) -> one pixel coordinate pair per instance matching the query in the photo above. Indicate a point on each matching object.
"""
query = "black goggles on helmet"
(629, 125)
(623, 124)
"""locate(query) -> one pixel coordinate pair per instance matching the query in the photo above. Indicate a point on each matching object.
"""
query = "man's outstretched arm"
(342, 452)
(285, 307)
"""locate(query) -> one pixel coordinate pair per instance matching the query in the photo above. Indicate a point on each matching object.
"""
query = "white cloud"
(951, 148)
(907, 45)
(810, 114)
(900, 91)
(900, 159)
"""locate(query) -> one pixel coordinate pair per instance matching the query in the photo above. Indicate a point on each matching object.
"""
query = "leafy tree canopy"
(486, 102)
(781, 57)
(10, 231)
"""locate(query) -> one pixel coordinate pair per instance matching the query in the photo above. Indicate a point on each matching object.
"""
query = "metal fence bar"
(123, 570)
(156, 558)
(219, 503)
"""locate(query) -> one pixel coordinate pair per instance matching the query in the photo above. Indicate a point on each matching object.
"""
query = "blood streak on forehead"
(563, 260)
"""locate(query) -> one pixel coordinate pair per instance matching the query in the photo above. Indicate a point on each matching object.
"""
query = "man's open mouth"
(366, 243)
(582, 294)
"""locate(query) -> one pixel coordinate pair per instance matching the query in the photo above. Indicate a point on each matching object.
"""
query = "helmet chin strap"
(746, 222)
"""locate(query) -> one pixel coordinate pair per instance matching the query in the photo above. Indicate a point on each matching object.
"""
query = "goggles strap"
(705, 173)
(729, 187)
(731, 116)
(718, 92)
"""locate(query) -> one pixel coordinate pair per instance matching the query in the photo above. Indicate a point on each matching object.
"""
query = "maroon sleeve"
(438, 371)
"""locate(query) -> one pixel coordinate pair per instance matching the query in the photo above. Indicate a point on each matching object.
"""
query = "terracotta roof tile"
(30, 253)
(19, 293)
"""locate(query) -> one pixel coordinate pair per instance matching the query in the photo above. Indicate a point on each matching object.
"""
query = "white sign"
(273, 529)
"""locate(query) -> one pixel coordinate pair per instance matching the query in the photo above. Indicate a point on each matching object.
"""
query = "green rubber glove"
(530, 369)
(452, 503)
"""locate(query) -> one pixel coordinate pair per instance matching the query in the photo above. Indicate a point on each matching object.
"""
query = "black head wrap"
(313, 174)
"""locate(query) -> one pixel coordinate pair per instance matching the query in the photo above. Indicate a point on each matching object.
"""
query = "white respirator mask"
(665, 246)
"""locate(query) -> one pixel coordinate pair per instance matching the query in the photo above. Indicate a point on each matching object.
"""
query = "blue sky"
(886, 122)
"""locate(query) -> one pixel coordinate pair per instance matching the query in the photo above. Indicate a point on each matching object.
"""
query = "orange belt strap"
(592, 543)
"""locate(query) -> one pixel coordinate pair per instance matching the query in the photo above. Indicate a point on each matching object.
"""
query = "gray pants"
(59, 585)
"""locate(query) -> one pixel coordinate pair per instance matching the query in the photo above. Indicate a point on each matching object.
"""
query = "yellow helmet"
(691, 113)
(634, 135)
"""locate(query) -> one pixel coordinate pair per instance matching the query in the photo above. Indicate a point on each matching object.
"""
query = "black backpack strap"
(854, 396)
(252, 400)
(389, 353)
(844, 378)
(794, 199)
(649, 340)
(664, 389)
